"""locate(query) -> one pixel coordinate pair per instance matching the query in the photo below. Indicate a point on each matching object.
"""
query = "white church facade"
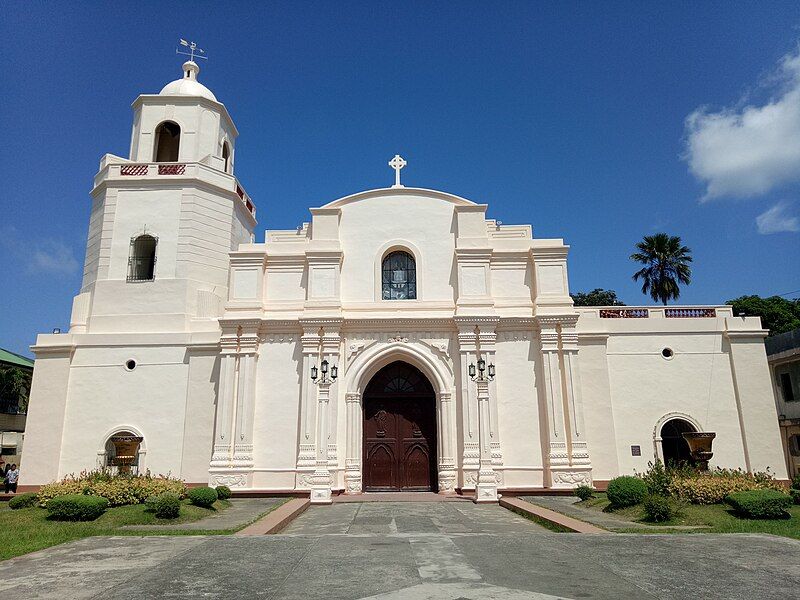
(445, 350)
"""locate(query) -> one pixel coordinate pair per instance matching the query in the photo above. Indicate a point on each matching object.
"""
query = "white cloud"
(750, 150)
(53, 257)
(777, 219)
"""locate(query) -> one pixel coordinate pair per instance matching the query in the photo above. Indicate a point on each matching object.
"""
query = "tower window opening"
(167, 142)
(142, 260)
(226, 156)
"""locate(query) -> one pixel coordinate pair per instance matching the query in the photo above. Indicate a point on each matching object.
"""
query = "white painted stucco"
(225, 334)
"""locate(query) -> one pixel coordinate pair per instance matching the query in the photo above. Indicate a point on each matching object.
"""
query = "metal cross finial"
(397, 163)
(193, 50)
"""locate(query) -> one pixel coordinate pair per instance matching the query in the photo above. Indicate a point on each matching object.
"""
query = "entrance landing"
(399, 497)
(411, 518)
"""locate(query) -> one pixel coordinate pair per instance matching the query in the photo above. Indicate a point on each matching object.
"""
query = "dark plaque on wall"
(636, 450)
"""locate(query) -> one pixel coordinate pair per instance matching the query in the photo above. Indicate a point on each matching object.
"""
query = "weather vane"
(193, 50)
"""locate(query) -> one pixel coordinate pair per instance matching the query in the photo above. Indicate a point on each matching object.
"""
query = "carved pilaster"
(352, 463)
(568, 459)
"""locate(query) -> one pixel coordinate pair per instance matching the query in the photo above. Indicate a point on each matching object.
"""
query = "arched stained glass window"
(399, 276)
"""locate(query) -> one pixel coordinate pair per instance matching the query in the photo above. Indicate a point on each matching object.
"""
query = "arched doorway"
(673, 445)
(399, 449)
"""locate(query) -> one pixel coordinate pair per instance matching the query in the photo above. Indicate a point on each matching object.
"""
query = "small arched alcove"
(399, 450)
(674, 447)
(123, 452)
(167, 142)
(142, 259)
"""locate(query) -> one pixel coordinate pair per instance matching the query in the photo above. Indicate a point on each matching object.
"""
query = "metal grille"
(171, 169)
(689, 313)
(142, 260)
(133, 170)
(399, 279)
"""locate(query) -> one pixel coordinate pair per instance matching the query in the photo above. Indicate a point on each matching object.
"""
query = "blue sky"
(595, 122)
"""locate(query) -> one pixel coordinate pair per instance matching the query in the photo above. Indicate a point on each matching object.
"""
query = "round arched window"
(399, 276)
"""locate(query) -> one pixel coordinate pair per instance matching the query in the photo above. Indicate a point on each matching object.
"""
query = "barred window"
(399, 276)
(142, 260)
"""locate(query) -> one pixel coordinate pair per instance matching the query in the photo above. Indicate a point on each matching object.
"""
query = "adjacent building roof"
(783, 342)
(10, 358)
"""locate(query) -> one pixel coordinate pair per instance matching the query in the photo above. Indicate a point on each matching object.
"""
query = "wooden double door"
(399, 431)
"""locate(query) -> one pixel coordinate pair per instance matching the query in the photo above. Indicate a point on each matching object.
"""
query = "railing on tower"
(186, 169)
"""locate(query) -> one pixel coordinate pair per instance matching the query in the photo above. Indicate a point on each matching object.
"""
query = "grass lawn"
(718, 517)
(28, 529)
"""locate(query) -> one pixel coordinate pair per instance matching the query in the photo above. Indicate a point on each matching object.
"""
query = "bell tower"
(164, 219)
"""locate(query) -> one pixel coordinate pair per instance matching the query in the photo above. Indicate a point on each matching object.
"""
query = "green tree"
(597, 297)
(15, 388)
(779, 315)
(666, 266)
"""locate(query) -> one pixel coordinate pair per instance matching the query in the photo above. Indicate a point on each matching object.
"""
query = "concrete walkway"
(241, 512)
(413, 551)
(567, 505)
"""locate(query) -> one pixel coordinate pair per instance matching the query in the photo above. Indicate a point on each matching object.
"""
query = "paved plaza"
(411, 550)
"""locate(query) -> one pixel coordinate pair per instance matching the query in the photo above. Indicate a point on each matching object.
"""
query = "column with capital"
(223, 433)
(321, 478)
(245, 406)
(352, 460)
(306, 452)
(470, 460)
(486, 485)
(447, 445)
(487, 348)
(567, 462)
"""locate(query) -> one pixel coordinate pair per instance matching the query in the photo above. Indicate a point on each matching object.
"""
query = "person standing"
(11, 480)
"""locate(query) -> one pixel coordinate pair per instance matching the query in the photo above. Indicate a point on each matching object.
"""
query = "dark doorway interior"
(675, 448)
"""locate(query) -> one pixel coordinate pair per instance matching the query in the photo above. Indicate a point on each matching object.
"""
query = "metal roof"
(10, 358)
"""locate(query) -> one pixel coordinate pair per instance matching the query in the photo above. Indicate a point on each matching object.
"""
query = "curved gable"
(370, 194)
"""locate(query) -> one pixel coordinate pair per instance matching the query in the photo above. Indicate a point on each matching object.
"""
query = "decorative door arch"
(399, 443)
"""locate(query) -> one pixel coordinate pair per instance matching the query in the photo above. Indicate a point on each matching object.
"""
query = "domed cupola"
(183, 123)
(188, 84)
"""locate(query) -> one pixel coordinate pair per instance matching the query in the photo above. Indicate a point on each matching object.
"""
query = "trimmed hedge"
(626, 491)
(117, 489)
(203, 496)
(167, 506)
(584, 492)
(760, 504)
(76, 507)
(223, 492)
(23, 501)
(658, 508)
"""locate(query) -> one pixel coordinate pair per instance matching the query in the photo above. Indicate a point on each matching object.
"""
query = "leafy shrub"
(760, 504)
(584, 492)
(76, 507)
(659, 508)
(167, 506)
(795, 494)
(657, 479)
(203, 496)
(22, 501)
(796, 482)
(711, 487)
(117, 489)
(223, 492)
(626, 491)
(150, 502)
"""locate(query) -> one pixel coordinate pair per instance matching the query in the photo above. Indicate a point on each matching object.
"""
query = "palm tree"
(666, 265)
